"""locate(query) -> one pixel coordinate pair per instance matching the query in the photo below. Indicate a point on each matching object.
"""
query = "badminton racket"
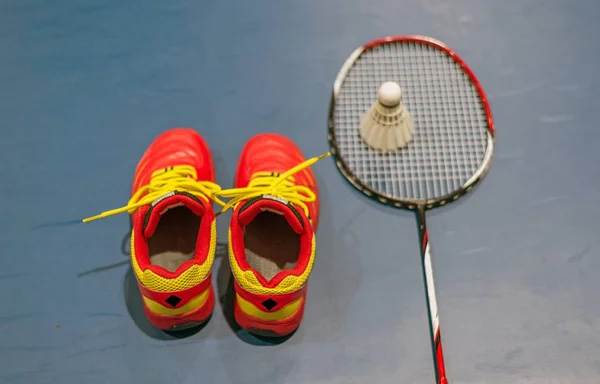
(451, 146)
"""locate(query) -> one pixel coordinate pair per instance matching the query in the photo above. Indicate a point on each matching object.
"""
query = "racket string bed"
(450, 123)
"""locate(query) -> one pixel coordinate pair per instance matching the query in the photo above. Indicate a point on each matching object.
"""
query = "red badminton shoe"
(272, 234)
(173, 237)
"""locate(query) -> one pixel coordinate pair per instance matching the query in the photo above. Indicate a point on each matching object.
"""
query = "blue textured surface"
(86, 85)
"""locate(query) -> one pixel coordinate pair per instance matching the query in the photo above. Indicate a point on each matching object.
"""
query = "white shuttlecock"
(387, 126)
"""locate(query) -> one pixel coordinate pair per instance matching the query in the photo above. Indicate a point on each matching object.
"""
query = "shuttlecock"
(387, 126)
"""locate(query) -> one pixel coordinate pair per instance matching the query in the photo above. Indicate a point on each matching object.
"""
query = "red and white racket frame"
(419, 206)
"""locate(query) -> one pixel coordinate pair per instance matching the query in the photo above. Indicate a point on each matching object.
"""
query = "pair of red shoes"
(271, 234)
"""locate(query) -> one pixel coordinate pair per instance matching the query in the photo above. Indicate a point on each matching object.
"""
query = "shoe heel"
(268, 328)
(186, 321)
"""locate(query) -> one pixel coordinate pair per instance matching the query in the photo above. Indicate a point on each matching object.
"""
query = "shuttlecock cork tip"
(389, 94)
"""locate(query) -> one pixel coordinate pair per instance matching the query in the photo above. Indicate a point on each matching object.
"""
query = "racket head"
(453, 141)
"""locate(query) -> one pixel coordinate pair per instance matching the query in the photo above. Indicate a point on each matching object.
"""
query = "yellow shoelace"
(279, 185)
(181, 178)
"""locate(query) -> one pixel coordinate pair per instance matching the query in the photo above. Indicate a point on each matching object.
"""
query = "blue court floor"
(86, 85)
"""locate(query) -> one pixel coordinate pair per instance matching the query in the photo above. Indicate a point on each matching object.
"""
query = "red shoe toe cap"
(175, 146)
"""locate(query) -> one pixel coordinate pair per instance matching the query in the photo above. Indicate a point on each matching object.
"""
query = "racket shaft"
(432, 307)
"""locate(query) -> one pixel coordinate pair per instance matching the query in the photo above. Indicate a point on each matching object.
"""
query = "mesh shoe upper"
(301, 259)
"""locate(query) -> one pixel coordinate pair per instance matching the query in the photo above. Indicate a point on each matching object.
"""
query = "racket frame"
(419, 206)
(410, 204)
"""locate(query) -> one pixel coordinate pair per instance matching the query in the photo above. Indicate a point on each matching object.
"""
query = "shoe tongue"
(264, 203)
(166, 202)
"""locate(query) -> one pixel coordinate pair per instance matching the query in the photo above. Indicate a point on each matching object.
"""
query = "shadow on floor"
(133, 299)
(224, 290)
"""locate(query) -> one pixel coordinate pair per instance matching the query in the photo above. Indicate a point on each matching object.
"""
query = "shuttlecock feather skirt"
(386, 128)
